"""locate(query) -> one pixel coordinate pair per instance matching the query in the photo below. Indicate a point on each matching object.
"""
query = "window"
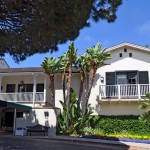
(19, 115)
(125, 50)
(40, 87)
(121, 79)
(126, 77)
(10, 88)
(29, 87)
(130, 54)
(25, 88)
(120, 54)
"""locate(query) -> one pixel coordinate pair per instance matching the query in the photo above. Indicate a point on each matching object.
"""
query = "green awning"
(14, 105)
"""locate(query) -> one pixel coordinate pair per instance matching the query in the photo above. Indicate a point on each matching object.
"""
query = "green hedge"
(120, 124)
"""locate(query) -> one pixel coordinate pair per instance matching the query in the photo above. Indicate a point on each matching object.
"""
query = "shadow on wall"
(98, 106)
(97, 77)
(31, 118)
(51, 130)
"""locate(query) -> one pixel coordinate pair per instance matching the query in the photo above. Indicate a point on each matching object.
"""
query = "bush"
(120, 124)
(76, 122)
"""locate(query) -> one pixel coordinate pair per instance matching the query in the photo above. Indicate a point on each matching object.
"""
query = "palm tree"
(83, 76)
(94, 59)
(145, 106)
(50, 66)
(67, 61)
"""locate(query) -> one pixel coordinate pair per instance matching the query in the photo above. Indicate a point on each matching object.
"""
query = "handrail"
(124, 91)
(22, 97)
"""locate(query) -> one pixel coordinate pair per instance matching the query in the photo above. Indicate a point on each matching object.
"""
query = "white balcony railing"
(22, 97)
(130, 91)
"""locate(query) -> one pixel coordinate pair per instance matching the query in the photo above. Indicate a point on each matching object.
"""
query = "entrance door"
(9, 119)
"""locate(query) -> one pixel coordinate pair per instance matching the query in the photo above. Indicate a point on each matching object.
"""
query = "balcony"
(123, 92)
(22, 97)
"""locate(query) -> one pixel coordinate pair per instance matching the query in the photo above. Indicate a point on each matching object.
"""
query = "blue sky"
(132, 25)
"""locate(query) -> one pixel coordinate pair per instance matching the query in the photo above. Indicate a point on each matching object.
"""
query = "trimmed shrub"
(120, 124)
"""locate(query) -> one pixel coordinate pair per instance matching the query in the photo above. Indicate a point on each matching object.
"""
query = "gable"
(129, 45)
(129, 54)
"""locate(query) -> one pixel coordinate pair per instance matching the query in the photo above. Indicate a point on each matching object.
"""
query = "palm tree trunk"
(64, 88)
(91, 81)
(82, 80)
(52, 89)
(68, 93)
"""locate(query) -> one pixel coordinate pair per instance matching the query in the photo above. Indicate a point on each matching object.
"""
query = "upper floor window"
(40, 87)
(125, 50)
(29, 87)
(130, 54)
(25, 88)
(10, 88)
(120, 54)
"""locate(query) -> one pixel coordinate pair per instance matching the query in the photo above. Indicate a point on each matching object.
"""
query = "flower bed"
(119, 138)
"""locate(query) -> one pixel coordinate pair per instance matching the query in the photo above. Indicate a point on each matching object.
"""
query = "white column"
(45, 88)
(34, 88)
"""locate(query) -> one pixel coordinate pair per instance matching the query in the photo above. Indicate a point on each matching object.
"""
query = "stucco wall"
(139, 62)
(75, 84)
(117, 108)
(36, 116)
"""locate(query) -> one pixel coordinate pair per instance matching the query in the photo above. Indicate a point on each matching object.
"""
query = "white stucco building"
(120, 85)
(117, 89)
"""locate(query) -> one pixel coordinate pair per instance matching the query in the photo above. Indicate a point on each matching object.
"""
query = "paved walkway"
(131, 145)
(82, 141)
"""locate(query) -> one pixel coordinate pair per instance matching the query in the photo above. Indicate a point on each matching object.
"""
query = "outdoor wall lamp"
(102, 79)
(46, 114)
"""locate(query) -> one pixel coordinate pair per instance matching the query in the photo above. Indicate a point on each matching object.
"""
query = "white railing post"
(100, 95)
(119, 96)
(139, 93)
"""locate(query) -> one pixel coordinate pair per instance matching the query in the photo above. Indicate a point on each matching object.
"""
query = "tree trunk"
(81, 87)
(91, 81)
(64, 88)
(68, 94)
(52, 89)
